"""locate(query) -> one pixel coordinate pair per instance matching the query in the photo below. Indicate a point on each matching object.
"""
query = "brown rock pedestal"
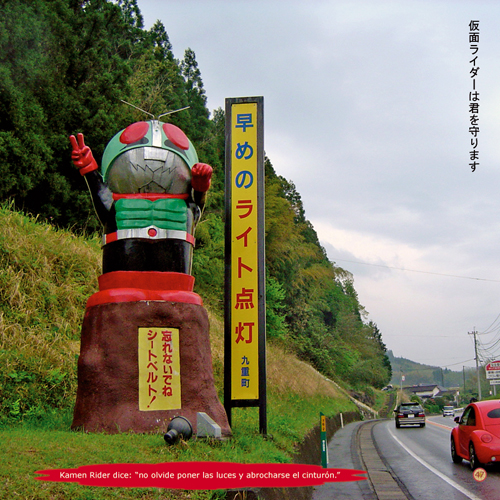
(142, 363)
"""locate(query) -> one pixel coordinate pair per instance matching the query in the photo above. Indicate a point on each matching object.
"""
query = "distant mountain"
(418, 373)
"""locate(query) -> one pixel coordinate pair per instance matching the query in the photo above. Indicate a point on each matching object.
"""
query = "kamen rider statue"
(145, 354)
(149, 197)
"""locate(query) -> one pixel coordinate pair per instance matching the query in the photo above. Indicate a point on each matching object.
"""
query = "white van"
(448, 411)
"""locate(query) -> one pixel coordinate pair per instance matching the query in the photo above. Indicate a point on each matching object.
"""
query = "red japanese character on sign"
(152, 377)
(151, 337)
(244, 235)
(242, 266)
(244, 300)
(239, 332)
(242, 205)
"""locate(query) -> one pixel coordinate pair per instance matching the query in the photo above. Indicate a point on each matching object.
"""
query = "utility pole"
(477, 363)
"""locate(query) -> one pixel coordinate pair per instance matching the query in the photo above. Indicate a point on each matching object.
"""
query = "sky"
(367, 112)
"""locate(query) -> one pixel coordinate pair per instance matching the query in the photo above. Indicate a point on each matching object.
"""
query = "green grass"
(29, 446)
(47, 276)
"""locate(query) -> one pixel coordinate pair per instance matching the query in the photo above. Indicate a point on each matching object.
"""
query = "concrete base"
(108, 368)
(207, 427)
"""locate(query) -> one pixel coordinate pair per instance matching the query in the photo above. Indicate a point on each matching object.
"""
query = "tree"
(132, 14)
(196, 97)
(162, 48)
(64, 69)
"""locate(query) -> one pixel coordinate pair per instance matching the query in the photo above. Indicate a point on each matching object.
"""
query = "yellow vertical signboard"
(245, 334)
(244, 253)
(159, 369)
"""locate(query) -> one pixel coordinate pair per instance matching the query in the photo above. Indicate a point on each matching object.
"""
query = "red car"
(477, 436)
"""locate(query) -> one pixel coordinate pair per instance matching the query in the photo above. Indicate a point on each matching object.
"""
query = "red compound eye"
(134, 132)
(176, 136)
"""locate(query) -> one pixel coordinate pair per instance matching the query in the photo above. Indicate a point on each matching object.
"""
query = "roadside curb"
(380, 476)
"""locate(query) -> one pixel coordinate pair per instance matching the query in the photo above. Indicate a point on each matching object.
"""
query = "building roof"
(424, 388)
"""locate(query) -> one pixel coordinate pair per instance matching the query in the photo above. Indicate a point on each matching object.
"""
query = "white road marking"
(455, 485)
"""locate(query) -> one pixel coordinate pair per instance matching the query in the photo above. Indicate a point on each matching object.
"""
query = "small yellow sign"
(323, 423)
(159, 369)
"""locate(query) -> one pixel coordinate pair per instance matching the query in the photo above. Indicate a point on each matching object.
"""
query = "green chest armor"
(168, 213)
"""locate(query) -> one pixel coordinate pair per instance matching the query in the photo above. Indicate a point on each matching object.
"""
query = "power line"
(488, 329)
(416, 271)
(435, 367)
(430, 367)
(488, 350)
(461, 363)
(419, 335)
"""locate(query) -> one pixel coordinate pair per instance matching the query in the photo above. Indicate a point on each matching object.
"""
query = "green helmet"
(149, 156)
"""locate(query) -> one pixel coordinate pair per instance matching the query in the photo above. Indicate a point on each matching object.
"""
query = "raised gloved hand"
(82, 155)
(201, 175)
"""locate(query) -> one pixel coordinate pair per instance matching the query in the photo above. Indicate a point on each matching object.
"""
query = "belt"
(148, 233)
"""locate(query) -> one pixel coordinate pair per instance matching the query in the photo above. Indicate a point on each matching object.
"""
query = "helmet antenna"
(150, 114)
(170, 112)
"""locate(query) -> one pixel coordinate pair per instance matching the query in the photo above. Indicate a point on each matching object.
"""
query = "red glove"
(82, 155)
(201, 175)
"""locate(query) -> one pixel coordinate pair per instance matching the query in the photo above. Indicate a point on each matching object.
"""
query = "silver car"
(409, 414)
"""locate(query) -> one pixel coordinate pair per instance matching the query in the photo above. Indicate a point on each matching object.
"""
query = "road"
(407, 463)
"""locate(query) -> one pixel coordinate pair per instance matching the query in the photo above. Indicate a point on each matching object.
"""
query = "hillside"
(47, 276)
(418, 373)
